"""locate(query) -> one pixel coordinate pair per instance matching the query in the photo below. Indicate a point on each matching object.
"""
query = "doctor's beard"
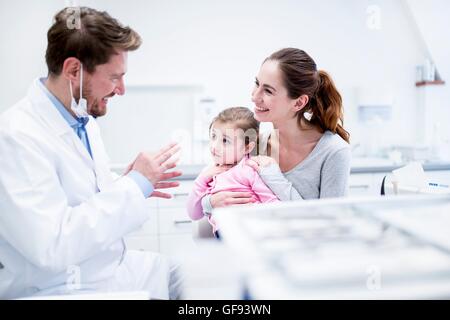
(95, 107)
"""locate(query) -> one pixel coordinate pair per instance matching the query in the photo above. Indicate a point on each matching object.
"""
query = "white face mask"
(80, 108)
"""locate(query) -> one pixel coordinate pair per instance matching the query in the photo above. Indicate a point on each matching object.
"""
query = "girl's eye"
(225, 140)
(268, 91)
(257, 83)
(213, 136)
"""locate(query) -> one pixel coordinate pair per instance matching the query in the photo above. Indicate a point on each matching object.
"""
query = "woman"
(308, 152)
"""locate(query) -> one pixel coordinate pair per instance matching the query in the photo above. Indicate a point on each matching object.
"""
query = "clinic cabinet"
(170, 230)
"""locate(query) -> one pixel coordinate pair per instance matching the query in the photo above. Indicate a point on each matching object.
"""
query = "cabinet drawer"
(179, 199)
(174, 221)
(143, 243)
(360, 184)
(174, 244)
(179, 196)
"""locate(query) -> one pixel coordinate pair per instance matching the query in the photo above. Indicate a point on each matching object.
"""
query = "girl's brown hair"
(242, 118)
(301, 77)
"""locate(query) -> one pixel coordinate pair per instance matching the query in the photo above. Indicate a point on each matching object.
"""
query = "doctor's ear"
(301, 102)
(71, 68)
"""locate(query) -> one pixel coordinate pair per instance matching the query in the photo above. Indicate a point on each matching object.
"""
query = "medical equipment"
(374, 248)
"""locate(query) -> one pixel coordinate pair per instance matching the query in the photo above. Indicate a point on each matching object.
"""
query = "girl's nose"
(213, 147)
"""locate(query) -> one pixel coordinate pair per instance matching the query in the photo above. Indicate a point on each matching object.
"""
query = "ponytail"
(326, 107)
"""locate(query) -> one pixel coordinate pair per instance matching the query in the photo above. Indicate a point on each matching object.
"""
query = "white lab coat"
(62, 216)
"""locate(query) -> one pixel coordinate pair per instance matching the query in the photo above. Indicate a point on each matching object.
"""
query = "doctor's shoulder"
(18, 122)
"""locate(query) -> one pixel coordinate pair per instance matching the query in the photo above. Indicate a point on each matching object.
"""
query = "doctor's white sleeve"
(37, 220)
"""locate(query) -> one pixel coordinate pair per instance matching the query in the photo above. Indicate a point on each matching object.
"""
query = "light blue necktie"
(82, 134)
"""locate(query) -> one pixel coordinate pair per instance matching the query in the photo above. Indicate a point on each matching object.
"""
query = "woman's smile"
(260, 109)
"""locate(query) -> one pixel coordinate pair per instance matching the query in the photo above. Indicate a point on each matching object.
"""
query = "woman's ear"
(301, 102)
(249, 148)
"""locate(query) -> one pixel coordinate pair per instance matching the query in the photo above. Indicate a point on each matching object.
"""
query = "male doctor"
(62, 213)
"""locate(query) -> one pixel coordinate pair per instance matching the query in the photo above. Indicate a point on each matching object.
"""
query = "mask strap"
(81, 81)
(70, 87)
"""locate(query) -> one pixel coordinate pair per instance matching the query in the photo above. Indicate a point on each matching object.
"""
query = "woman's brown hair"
(89, 35)
(301, 77)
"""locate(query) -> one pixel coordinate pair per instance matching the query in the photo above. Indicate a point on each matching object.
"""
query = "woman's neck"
(290, 134)
(290, 144)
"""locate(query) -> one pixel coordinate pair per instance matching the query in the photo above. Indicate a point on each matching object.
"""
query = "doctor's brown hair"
(89, 35)
(301, 77)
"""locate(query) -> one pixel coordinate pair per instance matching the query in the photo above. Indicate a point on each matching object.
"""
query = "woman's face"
(272, 103)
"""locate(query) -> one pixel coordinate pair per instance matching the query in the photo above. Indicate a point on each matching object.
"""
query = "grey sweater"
(322, 174)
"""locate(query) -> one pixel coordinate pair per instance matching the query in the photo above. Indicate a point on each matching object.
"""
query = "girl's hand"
(259, 162)
(209, 172)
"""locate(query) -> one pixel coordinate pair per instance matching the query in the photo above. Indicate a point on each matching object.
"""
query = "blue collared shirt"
(143, 183)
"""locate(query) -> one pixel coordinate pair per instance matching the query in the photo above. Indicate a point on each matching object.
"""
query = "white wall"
(432, 22)
(23, 39)
(219, 45)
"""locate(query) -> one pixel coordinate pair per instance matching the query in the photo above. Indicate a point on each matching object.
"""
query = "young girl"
(233, 136)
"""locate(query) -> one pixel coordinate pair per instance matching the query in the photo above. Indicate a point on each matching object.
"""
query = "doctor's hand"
(154, 166)
(229, 198)
(164, 185)
(259, 162)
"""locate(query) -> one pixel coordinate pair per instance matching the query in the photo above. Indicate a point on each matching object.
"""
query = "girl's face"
(272, 103)
(227, 145)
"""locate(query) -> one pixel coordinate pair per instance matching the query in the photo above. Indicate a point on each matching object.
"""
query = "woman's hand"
(209, 172)
(259, 162)
(229, 198)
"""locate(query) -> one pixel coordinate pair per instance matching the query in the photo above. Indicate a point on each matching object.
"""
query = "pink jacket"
(240, 178)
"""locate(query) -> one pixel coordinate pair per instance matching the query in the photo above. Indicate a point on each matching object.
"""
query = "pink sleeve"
(194, 202)
(261, 189)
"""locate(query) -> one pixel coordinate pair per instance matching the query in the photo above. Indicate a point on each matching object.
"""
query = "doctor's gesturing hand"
(154, 167)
